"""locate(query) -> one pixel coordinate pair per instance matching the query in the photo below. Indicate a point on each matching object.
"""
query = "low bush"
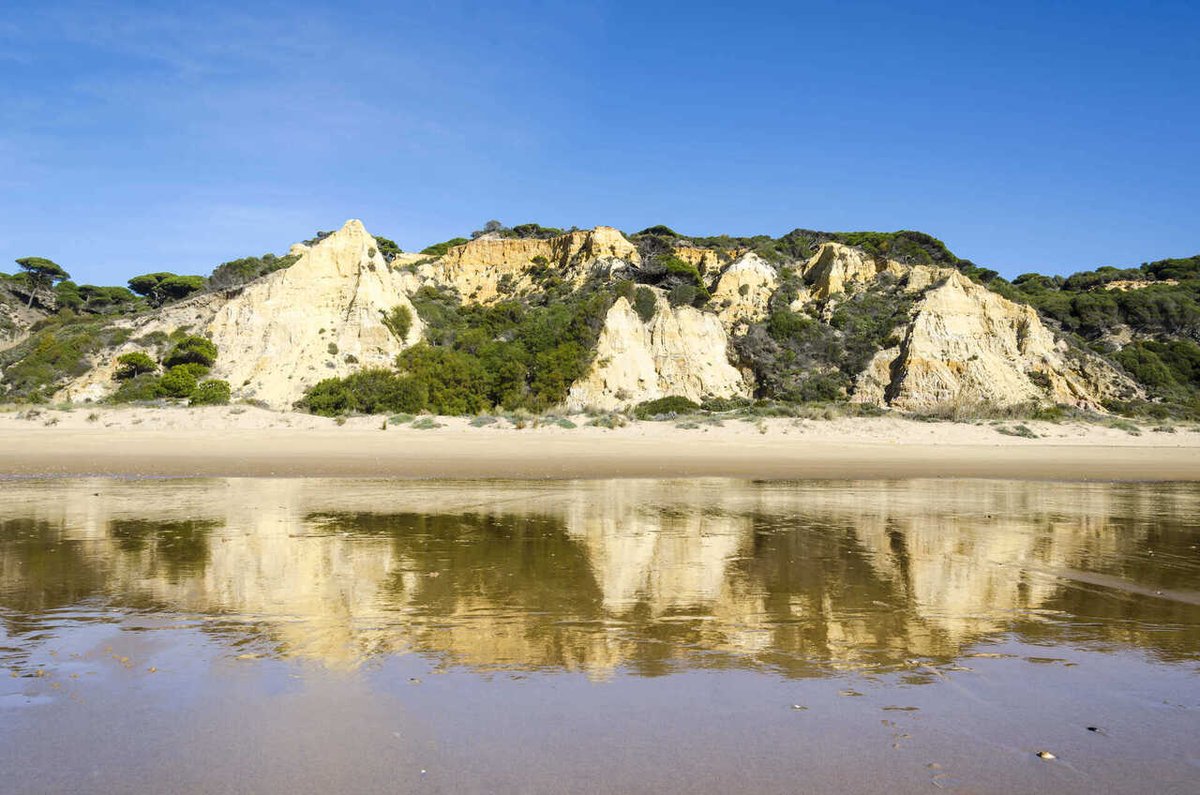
(665, 407)
(372, 391)
(440, 249)
(214, 392)
(398, 321)
(645, 303)
(192, 350)
(178, 382)
(140, 388)
(1023, 431)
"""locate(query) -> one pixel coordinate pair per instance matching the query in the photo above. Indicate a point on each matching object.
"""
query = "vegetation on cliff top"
(525, 352)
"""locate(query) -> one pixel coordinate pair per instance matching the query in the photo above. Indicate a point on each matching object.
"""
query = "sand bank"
(244, 441)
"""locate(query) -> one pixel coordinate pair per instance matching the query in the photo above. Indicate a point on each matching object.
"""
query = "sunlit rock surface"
(320, 318)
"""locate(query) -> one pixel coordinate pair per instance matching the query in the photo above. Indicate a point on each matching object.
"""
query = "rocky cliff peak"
(322, 317)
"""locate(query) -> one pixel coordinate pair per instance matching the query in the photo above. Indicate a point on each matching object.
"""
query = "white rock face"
(743, 291)
(680, 351)
(279, 335)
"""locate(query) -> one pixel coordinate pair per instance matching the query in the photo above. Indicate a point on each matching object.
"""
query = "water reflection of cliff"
(650, 575)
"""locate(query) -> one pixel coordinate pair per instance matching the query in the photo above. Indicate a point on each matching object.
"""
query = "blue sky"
(167, 136)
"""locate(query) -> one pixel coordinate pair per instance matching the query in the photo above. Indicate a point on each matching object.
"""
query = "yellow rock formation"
(679, 351)
(742, 292)
(707, 260)
(968, 344)
(485, 269)
(320, 318)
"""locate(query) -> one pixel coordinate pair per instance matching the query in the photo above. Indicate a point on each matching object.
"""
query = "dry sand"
(246, 441)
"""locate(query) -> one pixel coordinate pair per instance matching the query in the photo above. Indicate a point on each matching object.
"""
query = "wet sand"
(677, 636)
(236, 441)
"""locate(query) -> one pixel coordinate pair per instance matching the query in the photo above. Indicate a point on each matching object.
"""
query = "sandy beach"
(246, 441)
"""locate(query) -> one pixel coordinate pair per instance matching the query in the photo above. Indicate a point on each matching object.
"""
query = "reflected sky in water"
(351, 591)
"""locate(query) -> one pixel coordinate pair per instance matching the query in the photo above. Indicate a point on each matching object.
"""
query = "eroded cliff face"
(489, 268)
(968, 344)
(743, 291)
(963, 343)
(322, 317)
(679, 351)
(15, 318)
(835, 266)
(707, 260)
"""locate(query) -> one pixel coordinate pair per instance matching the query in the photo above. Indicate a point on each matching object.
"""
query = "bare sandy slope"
(245, 441)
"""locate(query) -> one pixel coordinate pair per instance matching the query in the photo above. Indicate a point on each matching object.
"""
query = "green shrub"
(388, 248)
(724, 404)
(683, 295)
(398, 321)
(143, 387)
(373, 391)
(645, 303)
(440, 249)
(425, 424)
(134, 364)
(192, 350)
(229, 275)
(665, 407)
(455, 381)
(1023, 431)
(211, 393)
(178, 382)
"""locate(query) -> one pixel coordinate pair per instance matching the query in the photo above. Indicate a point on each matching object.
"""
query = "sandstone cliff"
(707, 260)
(679, 351)
(742, 292)
(15, 318)
(486, 269)
(320, 318)
(965, 343)
(835, 266)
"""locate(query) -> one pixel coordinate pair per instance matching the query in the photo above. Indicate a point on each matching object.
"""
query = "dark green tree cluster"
(388, 248)
(513, 354)
(797, 357)
(94, 300)
(440, 249)
(162, 287)
(184, 367)
(235, 273)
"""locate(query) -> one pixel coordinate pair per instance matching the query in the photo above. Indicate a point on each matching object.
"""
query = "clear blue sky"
(168, 136)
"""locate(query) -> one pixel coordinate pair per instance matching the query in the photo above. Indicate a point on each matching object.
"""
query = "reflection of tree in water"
(644, 575)
(176, 549)
(40, 570)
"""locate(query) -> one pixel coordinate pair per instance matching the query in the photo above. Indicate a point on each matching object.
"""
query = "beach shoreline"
(238, 441)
